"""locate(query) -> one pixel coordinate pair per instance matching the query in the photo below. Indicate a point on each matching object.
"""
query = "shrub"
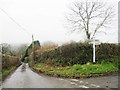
(9, 61)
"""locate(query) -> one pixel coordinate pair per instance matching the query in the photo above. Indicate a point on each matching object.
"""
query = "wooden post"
(33, 46)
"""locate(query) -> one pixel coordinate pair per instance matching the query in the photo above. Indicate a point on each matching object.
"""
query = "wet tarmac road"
(24, 77)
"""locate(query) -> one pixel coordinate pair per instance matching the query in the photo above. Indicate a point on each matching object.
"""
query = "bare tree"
(5, 48)
(89, 17)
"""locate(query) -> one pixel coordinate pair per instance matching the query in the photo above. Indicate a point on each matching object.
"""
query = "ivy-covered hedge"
(29, 50)
(78, 53)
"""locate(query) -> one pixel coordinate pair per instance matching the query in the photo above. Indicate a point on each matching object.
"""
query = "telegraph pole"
(33, 46)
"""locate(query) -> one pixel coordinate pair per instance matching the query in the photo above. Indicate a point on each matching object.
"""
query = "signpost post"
(93, 50)
(94, 42)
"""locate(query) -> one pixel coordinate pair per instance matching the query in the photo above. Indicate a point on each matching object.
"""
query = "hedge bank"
(78, 53)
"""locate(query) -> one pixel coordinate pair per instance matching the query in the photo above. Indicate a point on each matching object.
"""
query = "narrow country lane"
(24, 77)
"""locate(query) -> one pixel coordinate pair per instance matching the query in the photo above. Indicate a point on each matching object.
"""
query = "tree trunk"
(88, 35)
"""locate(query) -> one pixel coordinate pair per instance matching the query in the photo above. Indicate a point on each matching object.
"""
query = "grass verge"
(6, 72)
(77, 70)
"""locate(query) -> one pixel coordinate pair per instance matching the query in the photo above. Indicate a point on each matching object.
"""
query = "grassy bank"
(9, 64)
(6, 72)
(77, 70)
(71, 60)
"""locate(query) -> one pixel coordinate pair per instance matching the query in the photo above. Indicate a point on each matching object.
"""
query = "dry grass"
(46, 48)
(9, 61)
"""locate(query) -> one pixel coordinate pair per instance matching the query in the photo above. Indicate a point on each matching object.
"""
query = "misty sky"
(45, 20)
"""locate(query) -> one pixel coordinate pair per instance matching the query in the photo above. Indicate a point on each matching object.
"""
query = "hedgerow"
(78, 53)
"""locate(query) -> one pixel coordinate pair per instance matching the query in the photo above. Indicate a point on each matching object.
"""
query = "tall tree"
(89, 16)
(5, 48)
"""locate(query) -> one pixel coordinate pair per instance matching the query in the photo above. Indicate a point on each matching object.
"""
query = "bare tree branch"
(89, 17)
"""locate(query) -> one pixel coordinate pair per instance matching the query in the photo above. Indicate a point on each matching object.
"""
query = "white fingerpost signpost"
(93, 50)
(94, 42)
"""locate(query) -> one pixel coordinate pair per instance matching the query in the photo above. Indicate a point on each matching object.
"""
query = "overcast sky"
(45, 20)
